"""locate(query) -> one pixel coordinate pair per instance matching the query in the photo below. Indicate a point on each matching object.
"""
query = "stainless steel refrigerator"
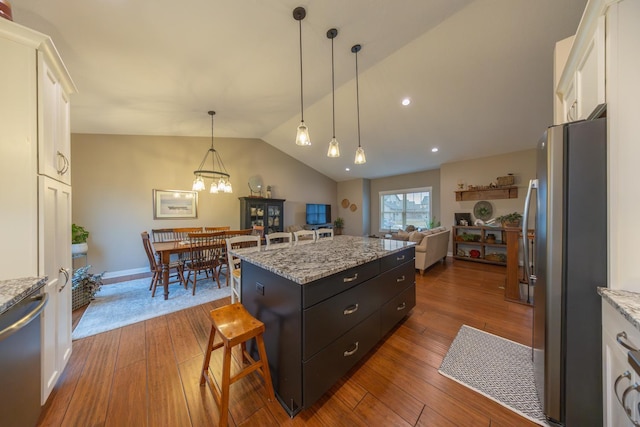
(570, 191)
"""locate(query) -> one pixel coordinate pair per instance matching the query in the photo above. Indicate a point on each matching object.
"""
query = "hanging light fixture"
(218, 173)
(360, 157)
(334, 147)
(302, 137)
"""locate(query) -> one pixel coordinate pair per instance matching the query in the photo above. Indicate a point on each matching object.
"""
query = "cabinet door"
(54, 147)
(274, 217)
(55, 262)
(590, 75)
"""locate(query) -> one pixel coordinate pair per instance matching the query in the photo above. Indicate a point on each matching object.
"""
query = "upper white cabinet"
(54, 144)
(581, 86)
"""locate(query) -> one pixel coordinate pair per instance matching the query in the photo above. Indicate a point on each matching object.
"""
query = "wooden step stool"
(235, 326)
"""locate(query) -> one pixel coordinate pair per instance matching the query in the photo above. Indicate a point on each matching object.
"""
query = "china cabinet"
(264, 212)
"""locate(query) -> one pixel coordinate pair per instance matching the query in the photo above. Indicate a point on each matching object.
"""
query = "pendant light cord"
(358, 98)
(333, 92)
(301, 97)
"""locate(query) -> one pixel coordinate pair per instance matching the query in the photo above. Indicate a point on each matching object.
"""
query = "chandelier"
(218, 173)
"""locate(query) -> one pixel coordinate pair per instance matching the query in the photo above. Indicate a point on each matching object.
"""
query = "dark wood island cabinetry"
(325, 305)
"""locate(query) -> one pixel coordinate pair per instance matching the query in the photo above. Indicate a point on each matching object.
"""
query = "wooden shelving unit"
(488, 194)
(462, 248)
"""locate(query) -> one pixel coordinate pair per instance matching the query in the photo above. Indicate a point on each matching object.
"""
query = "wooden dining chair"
(221, 228)
(182, 233)
(304, 235)
(156, 268)
(238, 242)
(324, 233)
(204, 254)
(163, 235)
(278, 237)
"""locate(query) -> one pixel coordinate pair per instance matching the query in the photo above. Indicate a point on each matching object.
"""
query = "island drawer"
(397, 258)
(326, 367)
(396, 280)
(315, 292)
(396, 309)
(326, 321)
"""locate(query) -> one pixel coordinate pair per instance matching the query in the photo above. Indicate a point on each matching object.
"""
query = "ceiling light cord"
(301, 85)
(358, 96)
(333, 91)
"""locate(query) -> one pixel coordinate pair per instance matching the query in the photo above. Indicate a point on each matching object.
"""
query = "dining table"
(165, 250)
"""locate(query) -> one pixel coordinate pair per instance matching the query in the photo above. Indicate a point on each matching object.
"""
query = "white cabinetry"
(619, 376)
(581, 87)
(55, 261)
(34, 181)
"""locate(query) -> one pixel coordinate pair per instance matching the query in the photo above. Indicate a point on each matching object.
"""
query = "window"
(401, 208)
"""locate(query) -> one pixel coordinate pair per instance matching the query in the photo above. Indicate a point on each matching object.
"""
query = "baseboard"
(114, 276)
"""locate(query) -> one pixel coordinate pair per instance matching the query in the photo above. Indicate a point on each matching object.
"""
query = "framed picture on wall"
(175, 204)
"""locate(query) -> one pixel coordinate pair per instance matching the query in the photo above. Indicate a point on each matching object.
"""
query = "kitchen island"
(325, 304)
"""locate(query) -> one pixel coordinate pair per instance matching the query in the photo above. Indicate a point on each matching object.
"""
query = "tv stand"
(316, 226)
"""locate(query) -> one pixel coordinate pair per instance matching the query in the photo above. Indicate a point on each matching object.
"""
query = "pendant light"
(360, 157)
(334, 147)
(302, 136)
(218, 173)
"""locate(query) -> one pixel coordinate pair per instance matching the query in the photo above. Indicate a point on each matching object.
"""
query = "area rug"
(498, 368)
(130, 302)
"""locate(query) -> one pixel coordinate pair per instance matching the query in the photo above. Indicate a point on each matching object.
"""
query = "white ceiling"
(479, 73)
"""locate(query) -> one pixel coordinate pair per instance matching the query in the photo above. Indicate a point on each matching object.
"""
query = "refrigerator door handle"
(533, 185)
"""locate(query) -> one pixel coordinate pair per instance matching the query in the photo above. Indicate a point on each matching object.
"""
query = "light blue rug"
(124, 303)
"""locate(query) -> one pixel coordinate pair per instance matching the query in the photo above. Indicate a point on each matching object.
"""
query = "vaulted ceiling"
(479, 73)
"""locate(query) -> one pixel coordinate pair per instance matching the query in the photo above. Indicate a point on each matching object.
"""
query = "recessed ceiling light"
(347, 169)
(434, 150)
(406, 101)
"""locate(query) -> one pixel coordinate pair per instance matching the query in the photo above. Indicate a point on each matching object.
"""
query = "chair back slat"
(304, 235)
(221, 228)
(324, 233)
(278, 237)
(163, 235)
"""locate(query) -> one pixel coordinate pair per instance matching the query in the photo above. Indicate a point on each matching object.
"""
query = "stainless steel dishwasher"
(20, 361)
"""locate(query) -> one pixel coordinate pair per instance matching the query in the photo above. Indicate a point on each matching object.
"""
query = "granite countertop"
(14, 290)
(305, 261)
(626, 302)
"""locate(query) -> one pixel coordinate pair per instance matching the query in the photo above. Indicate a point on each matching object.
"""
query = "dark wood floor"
(147, 374)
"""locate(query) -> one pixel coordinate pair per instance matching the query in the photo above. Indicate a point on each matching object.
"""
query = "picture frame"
(175, 204)
(463, 218)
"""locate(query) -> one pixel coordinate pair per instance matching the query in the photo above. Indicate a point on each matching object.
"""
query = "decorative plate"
(345, 203)
(483, 210)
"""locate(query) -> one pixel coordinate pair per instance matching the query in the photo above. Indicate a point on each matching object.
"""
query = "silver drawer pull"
(400, 258)
(401, 306)
(66, 278)
(350, 279)
(351, 309)
(348, 353)
(623, 335)
(625, 374)
(400, 279)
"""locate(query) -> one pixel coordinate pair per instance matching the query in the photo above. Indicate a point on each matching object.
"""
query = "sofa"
(431, 245)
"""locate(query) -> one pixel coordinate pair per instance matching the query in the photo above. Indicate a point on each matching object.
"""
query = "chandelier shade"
(302, 135)
(360, 157)
(218, 174)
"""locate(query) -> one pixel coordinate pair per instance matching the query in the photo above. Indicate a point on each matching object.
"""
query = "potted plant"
(338, 225)
(79, 238)
(510, 220)
(84, 286)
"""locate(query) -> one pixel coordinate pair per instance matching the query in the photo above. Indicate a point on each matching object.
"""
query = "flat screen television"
(318, 214)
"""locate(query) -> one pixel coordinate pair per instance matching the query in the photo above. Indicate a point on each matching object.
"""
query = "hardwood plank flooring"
(147, 374)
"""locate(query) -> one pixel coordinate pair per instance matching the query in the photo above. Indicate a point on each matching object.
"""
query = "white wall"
(113, 177)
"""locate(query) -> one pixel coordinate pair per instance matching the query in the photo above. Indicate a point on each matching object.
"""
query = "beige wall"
(356, 191)
(113, 177)
(482, 171)
(429, 178)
